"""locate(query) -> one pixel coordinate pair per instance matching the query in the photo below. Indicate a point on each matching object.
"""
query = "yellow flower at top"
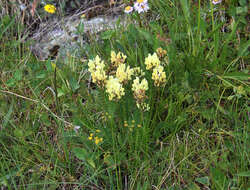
(152, 61)
(118, 58)
(50, 8)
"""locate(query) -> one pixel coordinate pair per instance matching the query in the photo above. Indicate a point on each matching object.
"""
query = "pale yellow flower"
(97, 70)
(118, 58)
(139, 89)
(152, 61)
(137, 85)
(124, 73)
(159, 76)
(50, 8)
(138, 72)
(114, 88)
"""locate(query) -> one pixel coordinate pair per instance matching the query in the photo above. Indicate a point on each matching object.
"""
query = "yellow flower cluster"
(105, 116)
(50, 8)
(124, 73)
(96, 139)
(138, 86)
(132, 125)
(117, 59)
(159, 76)
(139, 89)
(96, 68)
(138, 72)
(152, 61)
(114, 88)
(114, 76)
(161, 52)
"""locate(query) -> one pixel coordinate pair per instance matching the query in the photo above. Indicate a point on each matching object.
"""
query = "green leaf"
(218, 178)
(237, 76)
(91, 162)
(6, 21)
(8, 115)
(11, 82)
(244, 174)
(18, 133)
(185, 8)
(18, 75)
(81, 153)
(41, 75)
(147, 36)
(49, 66)
(244, 48)
(107, 35)
(74, 84)
(193, 186)
(240, 10)
(60, 92)
(203, 180)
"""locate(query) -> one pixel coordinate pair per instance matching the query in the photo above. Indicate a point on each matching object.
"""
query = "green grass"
(195, 136)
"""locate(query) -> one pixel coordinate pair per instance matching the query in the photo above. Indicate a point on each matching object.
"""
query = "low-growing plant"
(159, 104)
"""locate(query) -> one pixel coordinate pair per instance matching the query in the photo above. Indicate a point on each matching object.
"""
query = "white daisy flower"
(141, 6)
(128, 9)
(216, 1)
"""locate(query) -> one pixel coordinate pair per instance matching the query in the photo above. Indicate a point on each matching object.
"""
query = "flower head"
(91, 136)
(141, 6)
(50, 8)
(152, 61)
(137, 85)
(114, 88)
(138, 72)
(159, 76)
(128, 9)
(96, 68)
(161, 52)
(124, 73)
(118, 58)
(139, 89)
(216, 1)
(98, 140)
